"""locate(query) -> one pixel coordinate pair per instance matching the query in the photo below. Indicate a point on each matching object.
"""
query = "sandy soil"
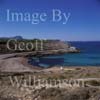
(13, 63)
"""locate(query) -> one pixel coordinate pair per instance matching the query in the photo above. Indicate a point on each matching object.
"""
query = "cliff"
(60, 46)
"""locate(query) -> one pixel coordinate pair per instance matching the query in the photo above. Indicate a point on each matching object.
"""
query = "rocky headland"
(14, 66)
(17, 60)
(18, 44)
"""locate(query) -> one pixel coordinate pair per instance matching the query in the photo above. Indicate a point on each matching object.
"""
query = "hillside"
(24, 45)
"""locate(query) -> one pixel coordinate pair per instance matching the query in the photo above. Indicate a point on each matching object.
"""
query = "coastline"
(18, 63)
(16, 66)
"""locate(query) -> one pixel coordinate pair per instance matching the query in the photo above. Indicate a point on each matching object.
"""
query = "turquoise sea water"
(89, 56)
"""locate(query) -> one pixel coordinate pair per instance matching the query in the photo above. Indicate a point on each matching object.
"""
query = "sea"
(89, 56)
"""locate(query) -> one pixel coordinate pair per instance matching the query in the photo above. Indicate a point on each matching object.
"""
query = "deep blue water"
(89, 56)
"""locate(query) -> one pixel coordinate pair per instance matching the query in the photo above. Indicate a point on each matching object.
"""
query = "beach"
(16, 65)
(18, 62)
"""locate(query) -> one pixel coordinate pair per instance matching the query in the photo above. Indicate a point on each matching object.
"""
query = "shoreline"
(13, 64)
(22, 58)
(17, 66)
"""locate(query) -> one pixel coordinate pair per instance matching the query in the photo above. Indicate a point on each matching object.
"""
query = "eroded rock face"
(55, 45)
(52, 94)
(8, 98)
(24, 92)
(60, 46)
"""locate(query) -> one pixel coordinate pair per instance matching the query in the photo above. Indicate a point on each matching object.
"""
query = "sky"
(83, 24)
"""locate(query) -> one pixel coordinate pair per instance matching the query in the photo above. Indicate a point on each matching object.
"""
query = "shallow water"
(89, 56)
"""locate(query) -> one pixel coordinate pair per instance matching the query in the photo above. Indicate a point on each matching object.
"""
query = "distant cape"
(15, 37)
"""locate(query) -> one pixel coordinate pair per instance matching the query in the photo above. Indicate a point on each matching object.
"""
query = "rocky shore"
(36, 47)
(16, 72)
(17, 61)
(16, 66)
(17, 69)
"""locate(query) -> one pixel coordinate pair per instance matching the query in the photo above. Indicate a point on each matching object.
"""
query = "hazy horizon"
(51, 39)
